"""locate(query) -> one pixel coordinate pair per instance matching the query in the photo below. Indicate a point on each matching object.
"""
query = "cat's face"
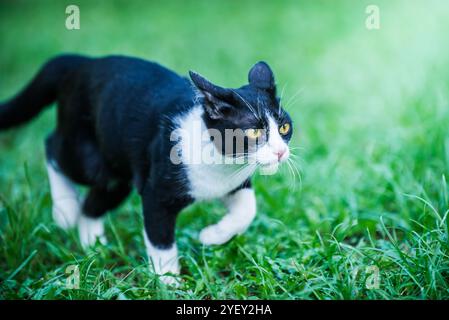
(250, 119)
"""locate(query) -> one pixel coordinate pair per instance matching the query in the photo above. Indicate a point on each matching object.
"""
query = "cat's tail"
(39, 93)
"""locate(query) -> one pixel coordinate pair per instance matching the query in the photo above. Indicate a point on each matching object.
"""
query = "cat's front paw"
(213, 235)
(172, 281)
(66, 213)
(168, 272)
(90, 230)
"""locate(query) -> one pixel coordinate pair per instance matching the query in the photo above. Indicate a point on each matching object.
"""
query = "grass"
(369, 218)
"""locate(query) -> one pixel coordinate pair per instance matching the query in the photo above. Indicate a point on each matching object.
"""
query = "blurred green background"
(367, 219)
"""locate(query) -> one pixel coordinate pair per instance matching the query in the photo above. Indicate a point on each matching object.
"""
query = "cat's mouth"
(282, 158)
(269, 164)
(269, 168)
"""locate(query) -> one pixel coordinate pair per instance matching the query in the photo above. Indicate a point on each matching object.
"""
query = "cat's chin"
(269, 168)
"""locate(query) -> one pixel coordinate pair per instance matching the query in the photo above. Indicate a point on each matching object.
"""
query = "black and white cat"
(115, 131)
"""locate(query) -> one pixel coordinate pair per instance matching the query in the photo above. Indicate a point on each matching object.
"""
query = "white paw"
(168, 270)
(213, 235)
(170, 281)
(90, 230)
(163, 261)
(66, 213)
(165, 265)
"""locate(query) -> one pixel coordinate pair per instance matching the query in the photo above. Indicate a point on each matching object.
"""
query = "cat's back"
(127, 89)
(130, 72)
(128, 98)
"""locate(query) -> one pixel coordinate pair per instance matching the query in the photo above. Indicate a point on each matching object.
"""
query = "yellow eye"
(284, 129)
(253, 133)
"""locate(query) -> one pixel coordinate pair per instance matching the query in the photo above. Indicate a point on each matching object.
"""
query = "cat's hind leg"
(66, 205)
(241, 212)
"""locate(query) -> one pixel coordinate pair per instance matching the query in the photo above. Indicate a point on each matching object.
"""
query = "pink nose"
(280, 153)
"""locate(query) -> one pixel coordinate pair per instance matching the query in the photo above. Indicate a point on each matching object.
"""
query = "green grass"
(371, 112)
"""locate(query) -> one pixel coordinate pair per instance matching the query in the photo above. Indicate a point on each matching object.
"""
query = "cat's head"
(252, 114)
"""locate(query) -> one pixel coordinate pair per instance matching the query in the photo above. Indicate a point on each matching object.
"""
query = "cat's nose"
(280, 153)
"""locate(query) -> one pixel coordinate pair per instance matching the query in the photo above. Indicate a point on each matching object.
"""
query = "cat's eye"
(253, 133)
(284, 129)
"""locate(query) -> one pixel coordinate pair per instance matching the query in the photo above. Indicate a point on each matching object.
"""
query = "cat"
(116, 119)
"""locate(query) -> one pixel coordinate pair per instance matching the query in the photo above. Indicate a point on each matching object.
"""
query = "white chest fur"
(211, 178)
(215, 181)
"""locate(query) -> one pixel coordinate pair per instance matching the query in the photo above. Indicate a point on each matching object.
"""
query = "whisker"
(291, 100)
(241, 171)
(241, 168)
(297, 171)
(281, 98)
(292, 181)
(296, 157)
(282, 91)
(258, 105)
(248, 105)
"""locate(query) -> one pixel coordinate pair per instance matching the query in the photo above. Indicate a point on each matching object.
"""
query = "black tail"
(40, 92)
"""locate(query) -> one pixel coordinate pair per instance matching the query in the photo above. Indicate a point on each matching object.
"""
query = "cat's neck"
(209, 173)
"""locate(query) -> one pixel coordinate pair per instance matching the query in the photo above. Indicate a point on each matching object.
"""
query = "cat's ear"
(261, 76)
(216, 99)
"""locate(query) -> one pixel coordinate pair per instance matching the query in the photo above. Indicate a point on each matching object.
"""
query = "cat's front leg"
(159, 236)
(242, 210)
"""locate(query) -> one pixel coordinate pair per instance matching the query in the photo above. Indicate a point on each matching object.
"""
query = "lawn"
(367, 218)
